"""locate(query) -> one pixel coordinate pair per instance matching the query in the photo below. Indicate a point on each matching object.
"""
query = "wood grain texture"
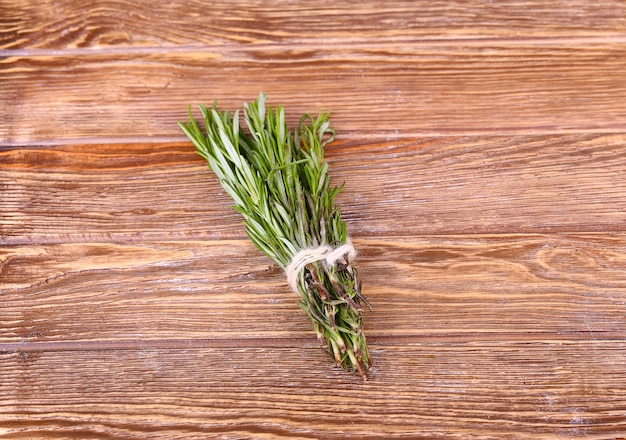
(553, 390)
(460, 184)
(482, 147)
(105, 24)
(393, 90)
(502, 288)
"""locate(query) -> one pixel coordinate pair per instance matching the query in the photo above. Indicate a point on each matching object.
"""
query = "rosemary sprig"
(279, 182)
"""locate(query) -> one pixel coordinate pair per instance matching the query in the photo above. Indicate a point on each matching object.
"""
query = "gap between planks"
(379, 135)
(467, 340)
(316, 43)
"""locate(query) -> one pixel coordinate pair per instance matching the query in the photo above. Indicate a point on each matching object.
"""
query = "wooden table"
(483, 149)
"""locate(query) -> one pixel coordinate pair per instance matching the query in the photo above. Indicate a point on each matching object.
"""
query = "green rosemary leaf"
(280, 183)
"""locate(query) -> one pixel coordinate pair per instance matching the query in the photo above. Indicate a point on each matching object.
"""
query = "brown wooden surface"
(482, 145)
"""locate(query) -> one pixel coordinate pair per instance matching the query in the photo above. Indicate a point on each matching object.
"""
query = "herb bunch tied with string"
(279, 182)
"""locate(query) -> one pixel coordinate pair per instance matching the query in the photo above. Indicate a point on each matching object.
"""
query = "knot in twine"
(307, 256)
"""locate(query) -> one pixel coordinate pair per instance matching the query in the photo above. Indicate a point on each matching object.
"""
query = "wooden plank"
(104, 24)
(110, 193)
(394, 90)
(468, 390)
(453, 288)
(440, 185)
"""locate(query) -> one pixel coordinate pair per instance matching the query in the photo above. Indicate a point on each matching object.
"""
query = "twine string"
(325, 253)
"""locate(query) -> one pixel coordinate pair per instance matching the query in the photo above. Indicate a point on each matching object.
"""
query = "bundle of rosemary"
(279, 182)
